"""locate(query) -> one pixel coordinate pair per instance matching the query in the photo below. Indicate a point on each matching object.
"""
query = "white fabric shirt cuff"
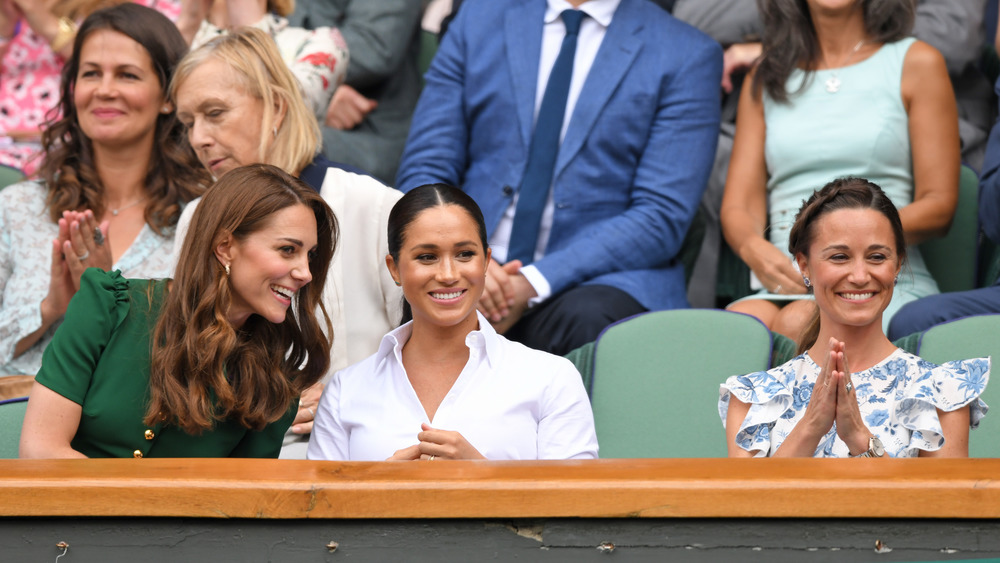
(538, 283)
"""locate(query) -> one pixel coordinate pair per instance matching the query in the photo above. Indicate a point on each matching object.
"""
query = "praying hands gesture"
(438, 444)
(834, 399)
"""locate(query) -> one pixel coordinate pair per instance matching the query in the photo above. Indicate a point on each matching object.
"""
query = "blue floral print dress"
(898, 399)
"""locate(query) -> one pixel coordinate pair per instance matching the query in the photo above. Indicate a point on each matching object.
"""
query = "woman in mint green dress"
(210, 364)
(840, 90)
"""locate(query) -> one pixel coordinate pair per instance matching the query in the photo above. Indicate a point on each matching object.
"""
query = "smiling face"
(270, 265)
(442, 267)
(852, 263)
(117, 93)
(223, 121)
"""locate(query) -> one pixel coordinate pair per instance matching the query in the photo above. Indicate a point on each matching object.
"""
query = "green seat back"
(11, 419)
(970, 337)
(428, 48)
(9, 176)
(952, 259)
(656, 380)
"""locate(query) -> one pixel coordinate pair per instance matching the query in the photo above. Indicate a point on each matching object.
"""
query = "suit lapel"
(616, 54)
(523, 50)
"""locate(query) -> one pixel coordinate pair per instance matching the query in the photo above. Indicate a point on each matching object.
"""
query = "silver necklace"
(115, 212)
(833, 83)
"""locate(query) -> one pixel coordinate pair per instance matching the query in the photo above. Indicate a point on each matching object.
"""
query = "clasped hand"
(437, 444)
(834, 399)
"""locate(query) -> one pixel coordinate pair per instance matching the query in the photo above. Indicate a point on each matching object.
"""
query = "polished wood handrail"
(729, 488)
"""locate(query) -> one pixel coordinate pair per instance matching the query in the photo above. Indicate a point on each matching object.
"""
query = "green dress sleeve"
(96, 310)
(267, 442)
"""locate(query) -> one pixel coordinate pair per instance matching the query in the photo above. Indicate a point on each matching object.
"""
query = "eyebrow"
(845, 247)
(432, 246)
(294, 241)
(129, 66)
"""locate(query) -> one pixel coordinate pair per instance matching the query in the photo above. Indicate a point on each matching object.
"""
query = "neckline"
(881, 362)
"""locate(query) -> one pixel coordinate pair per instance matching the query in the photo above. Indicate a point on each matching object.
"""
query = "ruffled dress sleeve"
(947, 387)
(771, 395)
(97, 309)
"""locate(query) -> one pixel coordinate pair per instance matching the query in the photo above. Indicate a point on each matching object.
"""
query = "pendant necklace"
(833, 83)
(115, 212)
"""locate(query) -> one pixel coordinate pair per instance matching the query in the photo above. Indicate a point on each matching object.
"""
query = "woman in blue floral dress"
(851, 392)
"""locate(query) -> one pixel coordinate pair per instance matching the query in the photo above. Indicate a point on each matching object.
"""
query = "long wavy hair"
(842, 193)
(174, 177)
(789, 38)
(415, 202)
(257, 65)
(203, 368)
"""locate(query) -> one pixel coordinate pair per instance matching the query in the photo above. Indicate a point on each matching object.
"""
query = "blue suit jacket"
(633, 163)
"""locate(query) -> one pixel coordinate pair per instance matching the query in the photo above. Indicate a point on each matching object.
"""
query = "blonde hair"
(257, 66)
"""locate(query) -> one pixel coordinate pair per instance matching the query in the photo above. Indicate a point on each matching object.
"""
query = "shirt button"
(149, 434)
(137, 454)
(507, 190)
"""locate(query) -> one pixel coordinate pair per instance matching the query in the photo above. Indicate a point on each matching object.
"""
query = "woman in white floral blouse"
(851, 392)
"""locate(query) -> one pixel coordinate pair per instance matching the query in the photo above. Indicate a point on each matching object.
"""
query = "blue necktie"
(537, 180)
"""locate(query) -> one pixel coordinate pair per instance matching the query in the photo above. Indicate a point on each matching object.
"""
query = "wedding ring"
(98, 236)
(849, 386)
(432, 458)
(311, 411)
(84, 256)
(778, 289)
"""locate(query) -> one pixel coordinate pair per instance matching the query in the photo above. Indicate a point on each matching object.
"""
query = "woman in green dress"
(209, 364)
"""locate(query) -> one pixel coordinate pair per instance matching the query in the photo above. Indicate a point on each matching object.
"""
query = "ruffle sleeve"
(96, 310)
(771, 394)
(947, 387)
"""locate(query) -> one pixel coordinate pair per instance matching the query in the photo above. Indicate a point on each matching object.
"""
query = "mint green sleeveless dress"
(861, 130)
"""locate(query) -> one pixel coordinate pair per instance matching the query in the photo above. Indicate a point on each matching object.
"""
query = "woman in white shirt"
(445, 385)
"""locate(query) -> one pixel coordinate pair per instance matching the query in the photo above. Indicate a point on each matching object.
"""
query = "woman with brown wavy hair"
(116, 175)
(210, 364)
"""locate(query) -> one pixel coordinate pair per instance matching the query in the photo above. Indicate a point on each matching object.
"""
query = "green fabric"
(656, 380)
(9, 176)
(910, 343)
(970, 337)
(99, 359)
(782, 349)
(583, 359)
(11, 420)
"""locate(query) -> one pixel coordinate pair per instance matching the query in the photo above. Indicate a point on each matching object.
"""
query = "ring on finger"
(778, 289)
(311, 411)
(83, 256)
(98, 236)
(850, 386)
(432, 458)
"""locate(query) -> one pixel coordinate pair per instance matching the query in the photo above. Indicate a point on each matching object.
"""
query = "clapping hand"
(84, 243)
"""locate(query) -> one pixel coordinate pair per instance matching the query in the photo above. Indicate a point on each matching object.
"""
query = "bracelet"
(65, 35)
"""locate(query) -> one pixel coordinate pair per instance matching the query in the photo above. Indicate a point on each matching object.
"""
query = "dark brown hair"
(842, 193)
(789, 38)
(175, 175)
(254, 372)
(415, 202)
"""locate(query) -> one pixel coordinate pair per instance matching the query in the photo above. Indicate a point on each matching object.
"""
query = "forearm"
(926, 218)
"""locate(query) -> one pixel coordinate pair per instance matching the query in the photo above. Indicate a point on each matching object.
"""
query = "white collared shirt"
(592, 31)
(510, 402)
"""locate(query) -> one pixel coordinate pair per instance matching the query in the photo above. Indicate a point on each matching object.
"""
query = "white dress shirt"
(509, 402)
(592, 31)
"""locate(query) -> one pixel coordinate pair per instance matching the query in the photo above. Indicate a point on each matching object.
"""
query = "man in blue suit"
(605, 202)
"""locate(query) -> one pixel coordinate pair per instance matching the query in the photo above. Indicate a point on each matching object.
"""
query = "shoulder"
(922, 59)
(534, 365)
(356, 183)
(31, 192)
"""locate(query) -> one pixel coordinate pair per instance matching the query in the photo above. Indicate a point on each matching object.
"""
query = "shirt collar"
(600, 10)
(486, 338)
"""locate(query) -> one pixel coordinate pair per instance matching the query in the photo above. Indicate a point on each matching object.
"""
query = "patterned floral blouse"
(26, 235)
(318, 58)
(898, 399)
(29, 88)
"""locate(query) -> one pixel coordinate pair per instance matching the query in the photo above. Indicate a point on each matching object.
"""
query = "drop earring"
(227, 270)
(806, 281)
(275, 129)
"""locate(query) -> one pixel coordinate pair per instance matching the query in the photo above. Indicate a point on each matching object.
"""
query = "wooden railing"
(664, 488)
